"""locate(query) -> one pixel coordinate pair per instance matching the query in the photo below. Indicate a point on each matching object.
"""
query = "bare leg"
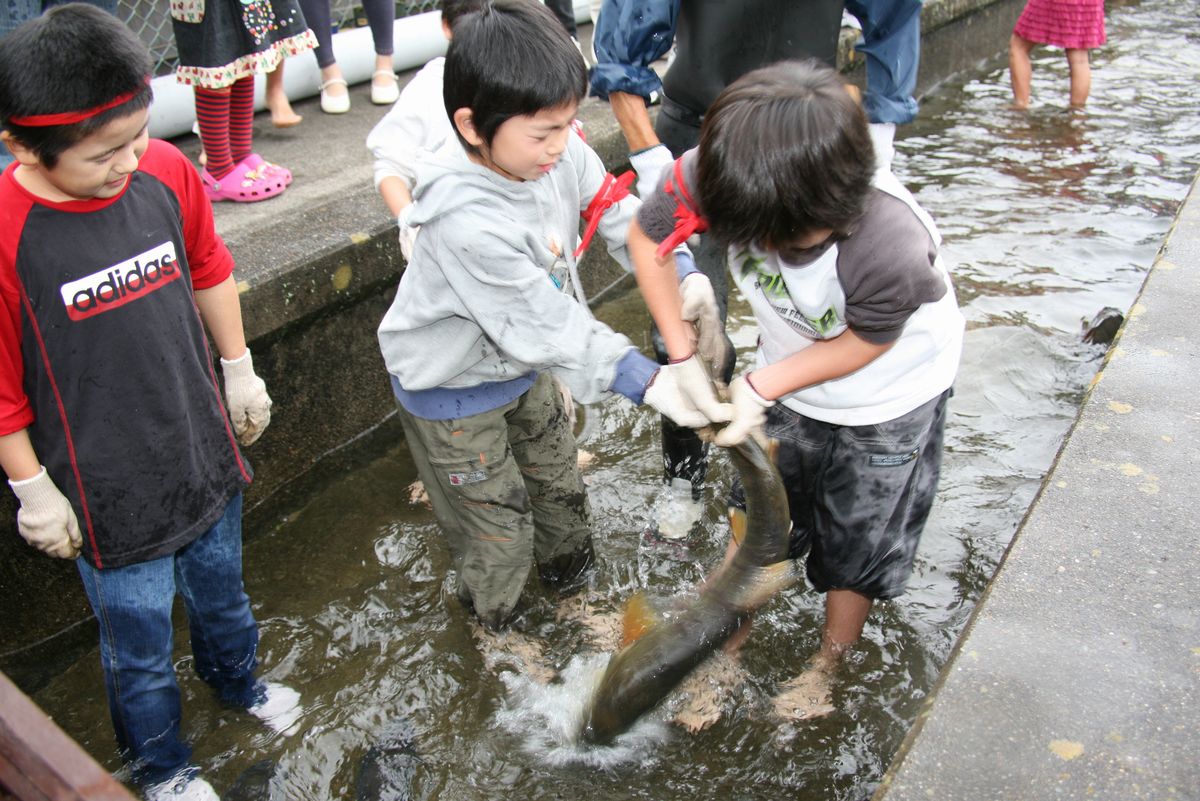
(845, 613)
(1020, 70)
(1081, 77)
(809, 694)
(282, 115)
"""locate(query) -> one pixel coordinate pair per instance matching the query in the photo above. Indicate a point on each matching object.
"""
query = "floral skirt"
(222, 41)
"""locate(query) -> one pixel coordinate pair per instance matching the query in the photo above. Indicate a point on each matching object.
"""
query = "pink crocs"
(252, 179)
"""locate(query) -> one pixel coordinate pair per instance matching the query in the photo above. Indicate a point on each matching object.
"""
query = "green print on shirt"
(772, 284)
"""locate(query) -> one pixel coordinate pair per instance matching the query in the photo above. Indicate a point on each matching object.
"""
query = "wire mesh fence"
(150, 20)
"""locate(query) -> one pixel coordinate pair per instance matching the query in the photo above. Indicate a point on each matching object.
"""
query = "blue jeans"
(133, 607)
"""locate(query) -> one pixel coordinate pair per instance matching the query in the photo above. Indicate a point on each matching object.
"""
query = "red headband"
(69, 117)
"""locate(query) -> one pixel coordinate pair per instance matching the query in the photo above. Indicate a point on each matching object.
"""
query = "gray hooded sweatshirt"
(490, 292)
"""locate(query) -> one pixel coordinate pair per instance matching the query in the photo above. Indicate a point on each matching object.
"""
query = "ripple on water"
(1047, 217)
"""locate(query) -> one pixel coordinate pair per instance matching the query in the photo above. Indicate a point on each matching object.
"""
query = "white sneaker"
(186, 786)
(280, 707)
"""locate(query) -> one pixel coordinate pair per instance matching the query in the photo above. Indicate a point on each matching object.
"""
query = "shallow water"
(1047, 216)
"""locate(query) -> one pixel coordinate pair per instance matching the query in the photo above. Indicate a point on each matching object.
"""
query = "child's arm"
(221, 311)
(17, 457)
(245, 393)
(45, 518)
(755, 392)
(407, 127)
(395, 141)
(397, 195)
(659, 286)
(822, 361)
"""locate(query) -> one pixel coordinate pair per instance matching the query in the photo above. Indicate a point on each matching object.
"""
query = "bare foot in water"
(513, 650)
(806, 696)
(705, 691)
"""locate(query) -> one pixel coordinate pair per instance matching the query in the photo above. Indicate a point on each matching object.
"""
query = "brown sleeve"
(887, 269)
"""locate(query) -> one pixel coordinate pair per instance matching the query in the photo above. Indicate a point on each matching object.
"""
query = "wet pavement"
(1078, 676)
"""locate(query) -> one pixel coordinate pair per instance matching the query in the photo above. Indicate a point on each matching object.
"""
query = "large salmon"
(644, 672)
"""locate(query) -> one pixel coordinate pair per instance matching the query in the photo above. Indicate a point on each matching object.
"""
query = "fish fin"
(773, 451)
(767, 580)
(640, 617)
(737, 524)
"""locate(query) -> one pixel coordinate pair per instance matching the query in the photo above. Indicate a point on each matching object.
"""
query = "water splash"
(547, 718)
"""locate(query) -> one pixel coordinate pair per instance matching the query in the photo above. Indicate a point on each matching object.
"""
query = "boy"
(416, 122)
(487, 311)
(859, 331)
(113, 434)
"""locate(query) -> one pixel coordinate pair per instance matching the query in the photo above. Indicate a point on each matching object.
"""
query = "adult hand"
(700, 309)
(649, 164)
(246, 396)
(749, 413)
(45, 518)
(684, 392)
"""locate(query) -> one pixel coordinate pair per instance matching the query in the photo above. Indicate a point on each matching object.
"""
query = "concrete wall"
(315, 284)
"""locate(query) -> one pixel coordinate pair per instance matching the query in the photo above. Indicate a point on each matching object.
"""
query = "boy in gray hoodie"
(489, 312)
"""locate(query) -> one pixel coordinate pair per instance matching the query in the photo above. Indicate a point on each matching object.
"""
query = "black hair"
(71, 58)
(452, 10)
(510, 58)
(785, 150)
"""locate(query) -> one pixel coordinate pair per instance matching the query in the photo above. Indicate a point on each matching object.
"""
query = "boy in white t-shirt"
(859, 330)
(417, 121)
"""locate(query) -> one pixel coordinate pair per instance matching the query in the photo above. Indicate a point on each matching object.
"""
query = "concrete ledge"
(317, 269)
(1078, 676)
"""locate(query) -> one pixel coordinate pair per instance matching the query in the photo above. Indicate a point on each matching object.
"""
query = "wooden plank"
(39, 762)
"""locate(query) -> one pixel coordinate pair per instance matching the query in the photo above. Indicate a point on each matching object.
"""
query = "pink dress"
(1072, 24)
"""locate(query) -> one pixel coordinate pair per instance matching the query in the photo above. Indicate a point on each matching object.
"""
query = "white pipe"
(417, 39)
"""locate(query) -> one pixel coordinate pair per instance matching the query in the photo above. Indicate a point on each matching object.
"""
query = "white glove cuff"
(38, 493)
(753, 395)
(652, 158)
(242, 366)
(405, 213)
(700, 285)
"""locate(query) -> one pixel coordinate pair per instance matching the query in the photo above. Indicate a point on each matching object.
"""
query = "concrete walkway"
(1079, 674)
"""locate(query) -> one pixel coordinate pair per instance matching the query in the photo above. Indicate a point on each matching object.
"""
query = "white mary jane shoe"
(335, 104)
(384, 94)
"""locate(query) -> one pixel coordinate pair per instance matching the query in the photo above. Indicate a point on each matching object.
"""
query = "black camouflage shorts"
(859, 495)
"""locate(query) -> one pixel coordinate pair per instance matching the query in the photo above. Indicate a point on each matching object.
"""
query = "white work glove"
(246, 396)
(649, 164)
(684, 392)
(700, 309)
(749, 414)
(408, 233)
(46, 519)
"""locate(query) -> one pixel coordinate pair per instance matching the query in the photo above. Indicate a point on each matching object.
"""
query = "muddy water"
(1048, 216)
